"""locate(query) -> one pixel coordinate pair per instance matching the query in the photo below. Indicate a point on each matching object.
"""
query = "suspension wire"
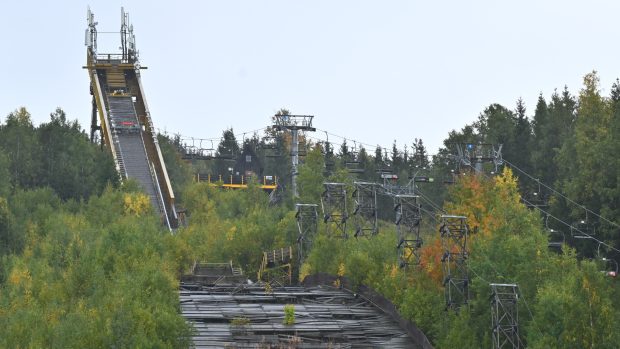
(190, 138)
(560, 194)
(433, 204)
(323, 140)
(469, 267)
(345, 138)
(439, 210)
(368, 145)
(520, 341)
(560, 221)
(183, 137)
(573, 228)
(529, 311)
(520, 293)
(431, 214)
(478, 275)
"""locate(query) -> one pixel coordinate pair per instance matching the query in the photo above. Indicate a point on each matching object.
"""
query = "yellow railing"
(237, 182)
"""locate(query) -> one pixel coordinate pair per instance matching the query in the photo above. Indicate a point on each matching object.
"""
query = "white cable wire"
(183, 137)
(560, 194)
(350, 139)
(434, 205)
(529, 311)
(559, 220)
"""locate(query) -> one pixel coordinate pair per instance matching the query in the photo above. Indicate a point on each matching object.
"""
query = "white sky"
(374, 71)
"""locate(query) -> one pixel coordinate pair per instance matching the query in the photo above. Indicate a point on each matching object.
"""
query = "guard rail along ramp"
(121, 116)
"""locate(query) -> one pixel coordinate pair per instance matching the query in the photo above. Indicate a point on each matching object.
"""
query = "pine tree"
(227, 152)
(522, 138)
(542, 149)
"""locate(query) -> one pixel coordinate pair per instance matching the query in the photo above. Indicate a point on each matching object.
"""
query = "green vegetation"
(100, 276)
(240, 321)
(510, 246)
(84, 262)
(227, 225)
(289, 314)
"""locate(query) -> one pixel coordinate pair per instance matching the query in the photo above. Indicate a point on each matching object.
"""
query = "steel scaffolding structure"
(408, 219)
(334, 206)
(454, 232)
(365, 198)
(505, 316)
(307, 227)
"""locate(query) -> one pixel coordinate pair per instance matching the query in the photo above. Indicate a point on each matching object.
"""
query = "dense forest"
(84, 262)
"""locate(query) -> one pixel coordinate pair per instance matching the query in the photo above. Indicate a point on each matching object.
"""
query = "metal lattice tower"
(294, 123)
(365, 198)
(505, 316)
(307, 226)
(334, 206)
(408, 219)
(454, 232)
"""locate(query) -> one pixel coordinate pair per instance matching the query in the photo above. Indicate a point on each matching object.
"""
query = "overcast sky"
(373, 71)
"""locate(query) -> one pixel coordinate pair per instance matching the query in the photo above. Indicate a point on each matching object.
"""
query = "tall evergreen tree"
(522, 138)
(227, 152)
(542, 148)
(497, 126)
(397, 159)
(420, 155)
(582, 158)
(611, 192)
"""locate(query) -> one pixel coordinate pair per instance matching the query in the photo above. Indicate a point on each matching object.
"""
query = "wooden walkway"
(245, 316)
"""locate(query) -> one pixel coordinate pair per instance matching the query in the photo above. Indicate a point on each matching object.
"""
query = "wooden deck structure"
(249, 316)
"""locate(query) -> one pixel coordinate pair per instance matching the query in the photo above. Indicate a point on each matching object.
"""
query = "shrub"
(289, 314)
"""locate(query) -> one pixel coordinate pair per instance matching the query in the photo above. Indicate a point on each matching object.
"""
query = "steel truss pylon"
(365, 198)
(307, 226)
(334, 206)
(408, 219)
(505, 316)
(454, 232)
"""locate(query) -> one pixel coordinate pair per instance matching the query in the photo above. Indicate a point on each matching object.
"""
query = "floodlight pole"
(295, 160)
(294, 123)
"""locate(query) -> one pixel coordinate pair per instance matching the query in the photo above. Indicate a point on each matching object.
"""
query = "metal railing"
(237, 180)
(120, 162)
(162, 205)
(112, 58)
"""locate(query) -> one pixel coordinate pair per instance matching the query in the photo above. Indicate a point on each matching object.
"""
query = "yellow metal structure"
(276, 267)
(267, 183)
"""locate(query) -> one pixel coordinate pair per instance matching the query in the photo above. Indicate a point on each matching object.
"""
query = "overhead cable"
(560, 194)
(563, 222)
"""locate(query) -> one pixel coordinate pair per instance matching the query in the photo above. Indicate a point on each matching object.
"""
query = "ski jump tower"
(122, 118)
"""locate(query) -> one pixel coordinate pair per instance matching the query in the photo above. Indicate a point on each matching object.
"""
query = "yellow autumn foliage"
(230, 234)
(136, 204)
(341, 269)
(20, 276)
(304, 271)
